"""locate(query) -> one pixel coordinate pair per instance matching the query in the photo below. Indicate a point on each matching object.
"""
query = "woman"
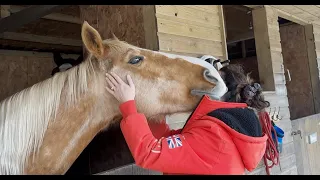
(219, 137)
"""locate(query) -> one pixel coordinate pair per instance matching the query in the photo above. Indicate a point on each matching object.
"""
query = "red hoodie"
(206, 145)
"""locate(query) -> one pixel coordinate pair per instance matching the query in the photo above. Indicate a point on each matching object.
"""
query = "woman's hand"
(122, 91)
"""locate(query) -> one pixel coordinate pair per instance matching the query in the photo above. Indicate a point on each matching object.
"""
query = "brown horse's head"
(165, 83)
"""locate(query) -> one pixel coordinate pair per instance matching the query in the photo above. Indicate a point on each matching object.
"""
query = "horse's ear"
(57, 58)
(92, 40)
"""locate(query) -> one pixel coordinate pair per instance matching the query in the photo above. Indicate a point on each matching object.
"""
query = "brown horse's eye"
(135, 60)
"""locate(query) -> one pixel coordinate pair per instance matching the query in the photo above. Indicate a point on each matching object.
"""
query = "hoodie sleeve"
(170, 154)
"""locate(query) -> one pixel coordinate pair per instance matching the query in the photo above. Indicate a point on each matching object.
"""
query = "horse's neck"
(72, 130)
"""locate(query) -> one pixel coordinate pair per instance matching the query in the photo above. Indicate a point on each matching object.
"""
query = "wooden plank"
(286, 163)
(291, 171)
(254, 6)
(241, 37)
(274, 35)
(288, 16)
(150, 27)
(276, 56)
(262, 45)
(313, 65)
(136, 170)
(223, 32)
(32, 13)
(40, 39)
(35, 54)
(303, 166)
(52, 16)
(277, 67)
(189, 45)
(205, 8)
(316, 29)
(278, 101)
(312, 9)
(279, 78)
(4, 11)
(285, 125)
(14, 75)
(187, 21)
(183, 54)
(316, 44)
(312, 125)
(296, 11)
(189, 15)
(39, 69)
(177, 28)
(281, 89)
(275, 45)
(316, 38)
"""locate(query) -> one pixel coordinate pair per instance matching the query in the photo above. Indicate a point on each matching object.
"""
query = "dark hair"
(241, 87)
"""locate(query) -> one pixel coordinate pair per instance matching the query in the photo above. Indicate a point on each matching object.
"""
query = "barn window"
(240, 39)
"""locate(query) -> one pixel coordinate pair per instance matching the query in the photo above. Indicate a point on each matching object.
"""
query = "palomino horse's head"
(165, 83)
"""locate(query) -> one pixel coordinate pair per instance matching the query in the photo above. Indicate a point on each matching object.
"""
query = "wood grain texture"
(125, 21)
(295, 57)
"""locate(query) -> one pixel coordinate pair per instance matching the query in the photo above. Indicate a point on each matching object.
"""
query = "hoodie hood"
(242, 125)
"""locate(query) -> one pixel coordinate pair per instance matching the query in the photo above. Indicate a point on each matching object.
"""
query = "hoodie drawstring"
(271, 153)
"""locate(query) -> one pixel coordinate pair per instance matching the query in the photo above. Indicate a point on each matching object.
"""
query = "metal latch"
(296, 132)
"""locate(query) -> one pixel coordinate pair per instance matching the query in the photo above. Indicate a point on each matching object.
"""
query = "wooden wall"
(267, 37)
(308, 161)
(191, 30)
(22, 69)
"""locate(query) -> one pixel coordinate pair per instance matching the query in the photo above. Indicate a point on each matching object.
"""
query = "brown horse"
(44, 128)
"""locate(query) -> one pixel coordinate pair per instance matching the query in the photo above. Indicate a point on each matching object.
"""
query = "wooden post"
(262, 40)
(27, 15)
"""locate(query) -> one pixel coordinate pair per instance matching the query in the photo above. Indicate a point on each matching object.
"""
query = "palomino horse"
(45, 127)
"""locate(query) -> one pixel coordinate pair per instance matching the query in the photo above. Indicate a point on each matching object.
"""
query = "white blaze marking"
(220, 88)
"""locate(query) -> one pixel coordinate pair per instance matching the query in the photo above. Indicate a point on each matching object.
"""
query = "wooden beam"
(53, 16)
(40, 39)
(223, 32)
(5, 11)
(289, 16)
(254, 6)
(241, 37)
(150, 26)
(262, 40)
(25, 16)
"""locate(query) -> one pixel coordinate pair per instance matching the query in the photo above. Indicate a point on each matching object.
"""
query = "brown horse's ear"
(92, 40)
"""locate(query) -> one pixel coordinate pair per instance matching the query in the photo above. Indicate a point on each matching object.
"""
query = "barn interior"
(240, 38)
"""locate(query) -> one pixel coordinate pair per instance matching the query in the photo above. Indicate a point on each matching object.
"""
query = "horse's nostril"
(209, 77)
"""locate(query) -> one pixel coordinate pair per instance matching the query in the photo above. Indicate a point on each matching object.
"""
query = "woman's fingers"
(130, 81)
(111, 85)
(109, 90)
(113, 81)
(117, 78)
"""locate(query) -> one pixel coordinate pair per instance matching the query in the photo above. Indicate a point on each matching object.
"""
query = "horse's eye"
(136, 60)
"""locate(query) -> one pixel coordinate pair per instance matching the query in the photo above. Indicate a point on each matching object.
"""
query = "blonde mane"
(24, 116)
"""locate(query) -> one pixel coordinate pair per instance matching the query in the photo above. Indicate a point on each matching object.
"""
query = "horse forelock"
(24, 116)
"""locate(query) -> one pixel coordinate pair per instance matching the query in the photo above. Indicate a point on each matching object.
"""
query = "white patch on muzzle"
(211, 74)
